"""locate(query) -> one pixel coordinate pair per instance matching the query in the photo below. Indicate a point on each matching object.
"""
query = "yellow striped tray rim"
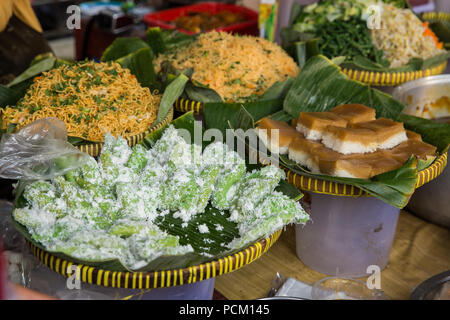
(156, 279)
(94, 149)
(436, 16)
(187, 105)
(339, 189)
(391, 78)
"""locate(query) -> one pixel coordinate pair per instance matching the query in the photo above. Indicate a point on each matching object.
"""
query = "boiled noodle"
(236, 67)
(91, 98)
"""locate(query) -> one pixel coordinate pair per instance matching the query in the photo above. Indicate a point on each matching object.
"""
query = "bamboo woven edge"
(436, 16)
(187, 105)
(156, 279)
(376, 78)
(94, 149)
(338, 189)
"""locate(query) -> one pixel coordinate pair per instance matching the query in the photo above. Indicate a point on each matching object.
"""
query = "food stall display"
(170, 207)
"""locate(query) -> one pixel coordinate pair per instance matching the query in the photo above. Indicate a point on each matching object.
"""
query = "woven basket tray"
(375, 78)
(186, 105)
(436, 16)
(339, 189)
(157, 279)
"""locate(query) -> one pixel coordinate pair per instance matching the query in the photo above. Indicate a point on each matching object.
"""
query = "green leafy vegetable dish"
(171, 206)
(383, 36)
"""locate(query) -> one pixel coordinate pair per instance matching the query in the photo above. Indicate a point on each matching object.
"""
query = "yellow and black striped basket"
(339, 189)
(187, 105)
(156, 279)
(437, 17)
(94, 149)
(390, 79)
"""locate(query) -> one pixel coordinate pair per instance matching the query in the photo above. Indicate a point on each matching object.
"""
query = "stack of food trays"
(359, 160)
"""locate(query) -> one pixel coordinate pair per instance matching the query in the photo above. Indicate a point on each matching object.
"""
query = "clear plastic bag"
(39, 150)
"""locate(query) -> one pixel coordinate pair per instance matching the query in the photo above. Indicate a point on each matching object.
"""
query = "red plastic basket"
(163, 18)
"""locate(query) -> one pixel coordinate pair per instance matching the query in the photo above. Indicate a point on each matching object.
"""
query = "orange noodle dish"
(91, 98)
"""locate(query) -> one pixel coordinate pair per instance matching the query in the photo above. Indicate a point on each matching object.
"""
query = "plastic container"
(163, 18)
(431, 201)
(336, 288)
(202, 290)
(346, 235)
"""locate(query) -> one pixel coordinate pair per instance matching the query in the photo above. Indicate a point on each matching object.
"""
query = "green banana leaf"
(15, 90)
(122, 47)
(219, 115)
(34, 70)
(437, 134)
(162, 41)
(140, 64)
(9, 96)
(197, 92)
(321, 85)
(442, 30)
(441, 27)
(171, 94)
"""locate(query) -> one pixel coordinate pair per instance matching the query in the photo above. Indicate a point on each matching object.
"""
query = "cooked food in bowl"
(137, 205)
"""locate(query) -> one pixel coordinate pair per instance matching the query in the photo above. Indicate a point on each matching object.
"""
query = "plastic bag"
(39, 150)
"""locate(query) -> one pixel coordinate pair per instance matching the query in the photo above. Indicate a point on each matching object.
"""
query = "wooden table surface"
(420, 251)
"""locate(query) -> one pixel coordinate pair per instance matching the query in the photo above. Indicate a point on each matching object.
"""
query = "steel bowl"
(431, 201)
(437, 287)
